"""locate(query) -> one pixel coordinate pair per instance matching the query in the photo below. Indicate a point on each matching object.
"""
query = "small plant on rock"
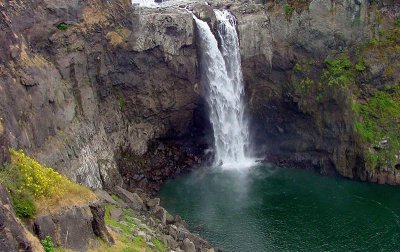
(288, 9)
(62, 26)
(47, 244)
(360, 66)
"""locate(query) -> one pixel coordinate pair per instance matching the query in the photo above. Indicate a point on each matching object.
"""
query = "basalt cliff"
(109, 94)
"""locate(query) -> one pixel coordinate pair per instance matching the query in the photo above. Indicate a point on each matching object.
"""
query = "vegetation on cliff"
(379, 125)
(369, 74)
(35, 188)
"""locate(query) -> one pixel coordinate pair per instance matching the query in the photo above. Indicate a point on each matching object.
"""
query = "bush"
(30, 182)
(360, 66)
(62, 26)
(24, 205)
(288, 9)
(40, 180)
(47, 244)
(338, 72)
(22, 200)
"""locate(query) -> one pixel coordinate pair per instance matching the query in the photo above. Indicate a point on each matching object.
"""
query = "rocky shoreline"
(153, 221)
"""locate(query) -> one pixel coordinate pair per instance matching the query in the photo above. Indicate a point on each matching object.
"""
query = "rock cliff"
(108, 93)
(84, 81)
(308, 65)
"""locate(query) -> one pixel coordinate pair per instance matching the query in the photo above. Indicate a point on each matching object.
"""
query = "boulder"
(151, 203)
(75, 227)
(105, 197)
(132, 199)
(98, 224)
(188, 246)
(116, 213)
(169, 241)
(161, 214)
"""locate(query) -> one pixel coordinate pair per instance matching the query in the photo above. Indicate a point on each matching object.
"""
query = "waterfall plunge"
(221, 68)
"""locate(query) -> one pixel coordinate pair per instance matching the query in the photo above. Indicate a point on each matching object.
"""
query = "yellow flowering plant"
(50, 190)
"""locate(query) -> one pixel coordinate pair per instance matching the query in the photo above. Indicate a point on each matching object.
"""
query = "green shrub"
(24, 205)
(34, 186)
(22, 200)
(398, 22)
(337, 72)
(47, 244)
(62, 26)
(360, 66)
(288, 9)
(121, 103)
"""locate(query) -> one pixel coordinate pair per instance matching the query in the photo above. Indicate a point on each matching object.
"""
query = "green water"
(275, 209)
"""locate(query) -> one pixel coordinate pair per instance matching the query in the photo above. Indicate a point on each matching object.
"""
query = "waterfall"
(145, 3)
(221, 69)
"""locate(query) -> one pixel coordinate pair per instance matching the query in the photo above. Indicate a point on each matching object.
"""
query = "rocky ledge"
(130, 216)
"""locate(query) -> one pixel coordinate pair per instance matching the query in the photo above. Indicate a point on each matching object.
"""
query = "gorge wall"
(312, 70)
(83, 82)
(108, 93)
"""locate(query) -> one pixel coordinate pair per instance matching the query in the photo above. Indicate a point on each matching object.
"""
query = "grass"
(137, 244)
(37, 189)
(124, 241)
(159, 245)
(121, 103)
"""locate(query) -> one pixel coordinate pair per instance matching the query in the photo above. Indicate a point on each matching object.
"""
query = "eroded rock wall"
(100, 89)
(82, 81)
(305, 128)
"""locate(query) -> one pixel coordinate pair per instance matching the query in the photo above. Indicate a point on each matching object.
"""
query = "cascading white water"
(146, 3)
(222, 71)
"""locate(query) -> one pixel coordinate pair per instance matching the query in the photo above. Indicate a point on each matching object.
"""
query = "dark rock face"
(110, 97)
(83, 82)
(298, 130)
(13, 235)
(74, 228)
(98, 224)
